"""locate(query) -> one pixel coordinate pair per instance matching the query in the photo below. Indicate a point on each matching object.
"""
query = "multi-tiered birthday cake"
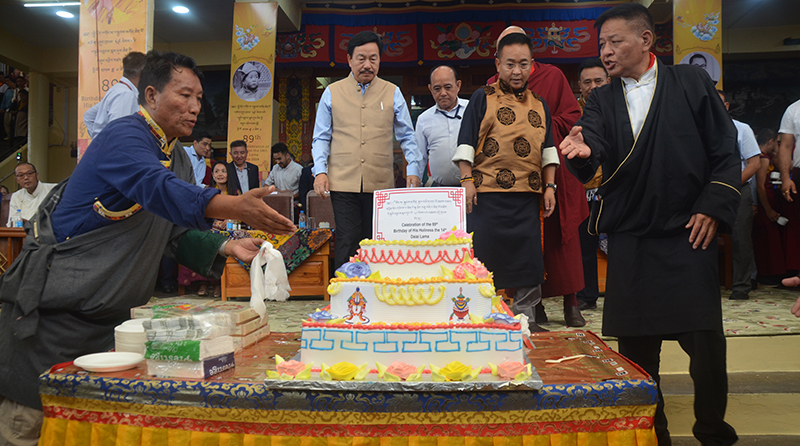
(420, 303)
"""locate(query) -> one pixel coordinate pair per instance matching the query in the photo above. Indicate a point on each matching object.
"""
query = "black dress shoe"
(535, 328)
(538, 313)
(572, 316)
(583, 305)
(739, 295)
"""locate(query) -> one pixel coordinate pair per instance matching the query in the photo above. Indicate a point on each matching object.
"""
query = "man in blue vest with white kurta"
(352, 145)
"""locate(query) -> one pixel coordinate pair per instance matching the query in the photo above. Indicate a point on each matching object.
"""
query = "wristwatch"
(553, 186)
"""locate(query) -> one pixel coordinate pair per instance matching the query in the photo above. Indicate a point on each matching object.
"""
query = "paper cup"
(782, 221)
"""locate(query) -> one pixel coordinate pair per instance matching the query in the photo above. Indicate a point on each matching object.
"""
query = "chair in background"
(282, 202)
(320, 209)
(4, 209)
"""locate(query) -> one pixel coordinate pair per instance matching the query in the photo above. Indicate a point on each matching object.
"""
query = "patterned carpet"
(765, 314)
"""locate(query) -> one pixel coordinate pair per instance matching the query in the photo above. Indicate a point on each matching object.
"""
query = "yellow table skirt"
(599, 400)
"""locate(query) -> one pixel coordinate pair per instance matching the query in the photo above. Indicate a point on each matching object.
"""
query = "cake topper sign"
(417, 213)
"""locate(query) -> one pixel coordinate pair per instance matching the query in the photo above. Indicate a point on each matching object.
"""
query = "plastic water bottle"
(229, 225)
(301, 221)
(16, 220)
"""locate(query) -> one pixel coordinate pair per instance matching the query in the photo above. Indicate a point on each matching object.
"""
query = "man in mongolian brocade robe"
(507, 161)
(562, 249)
(671, 178)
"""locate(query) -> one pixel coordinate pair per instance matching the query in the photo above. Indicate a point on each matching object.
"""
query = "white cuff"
(550, 156)
(221, 249)
(464, 152)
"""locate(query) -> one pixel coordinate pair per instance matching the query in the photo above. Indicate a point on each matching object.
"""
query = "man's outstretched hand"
(244, 249)
(573, 144)
(251, 209)
(260, 216)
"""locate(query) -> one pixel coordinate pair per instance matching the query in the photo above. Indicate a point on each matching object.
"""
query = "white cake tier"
(406, 259)
(428, 301)
(470, 344)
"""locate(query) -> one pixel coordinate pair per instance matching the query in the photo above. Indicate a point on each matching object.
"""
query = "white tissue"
(270, 283)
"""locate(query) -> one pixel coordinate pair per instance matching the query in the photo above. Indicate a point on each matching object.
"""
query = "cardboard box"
(168, 304)
(252, 338)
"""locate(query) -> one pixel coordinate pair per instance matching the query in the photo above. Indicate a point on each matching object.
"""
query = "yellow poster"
(252, 79)
(698, 35)
(109, 29)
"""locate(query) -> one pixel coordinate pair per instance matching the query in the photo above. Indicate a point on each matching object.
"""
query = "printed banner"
(310, 45)
(398, 42)
(109, 30)
(252, 79)
(460, 41)
(573, 39)
(698, 35)
(663, 43)
(432, 43)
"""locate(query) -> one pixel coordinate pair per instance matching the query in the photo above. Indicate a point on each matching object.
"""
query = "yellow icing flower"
(344, 371)
(455, 371)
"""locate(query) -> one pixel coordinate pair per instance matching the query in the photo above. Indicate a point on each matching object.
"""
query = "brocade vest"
(508, 157)
(361, 158)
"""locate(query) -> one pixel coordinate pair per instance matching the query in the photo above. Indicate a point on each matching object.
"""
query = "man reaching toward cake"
(507, 158)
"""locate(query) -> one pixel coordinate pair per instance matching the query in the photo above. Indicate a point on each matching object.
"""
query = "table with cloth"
(597, 399)
(295, 248)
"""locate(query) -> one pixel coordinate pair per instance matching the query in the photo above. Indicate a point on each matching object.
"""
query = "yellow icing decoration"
(525, 374)
(447, 272)
(496, 300)
(416, 376)
(344, 371)
(487, 291)
(334, 288)
(375, 276)
(408, 294)
(479, 320)
(455, 371)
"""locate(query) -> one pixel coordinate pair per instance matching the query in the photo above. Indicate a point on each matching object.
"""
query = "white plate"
(109, 361)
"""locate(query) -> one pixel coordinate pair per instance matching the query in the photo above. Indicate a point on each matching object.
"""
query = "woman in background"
(219, 180)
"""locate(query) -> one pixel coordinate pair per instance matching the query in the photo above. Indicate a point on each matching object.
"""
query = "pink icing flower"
(401, 369)
(509, 369)
(475, 268)
(458, 233)
(291, 367)
(480, 271)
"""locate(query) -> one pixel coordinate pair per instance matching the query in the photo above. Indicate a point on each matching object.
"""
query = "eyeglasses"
(25, 174)
(523, 66)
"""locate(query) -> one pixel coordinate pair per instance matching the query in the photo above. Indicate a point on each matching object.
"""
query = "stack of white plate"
(130, 337)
